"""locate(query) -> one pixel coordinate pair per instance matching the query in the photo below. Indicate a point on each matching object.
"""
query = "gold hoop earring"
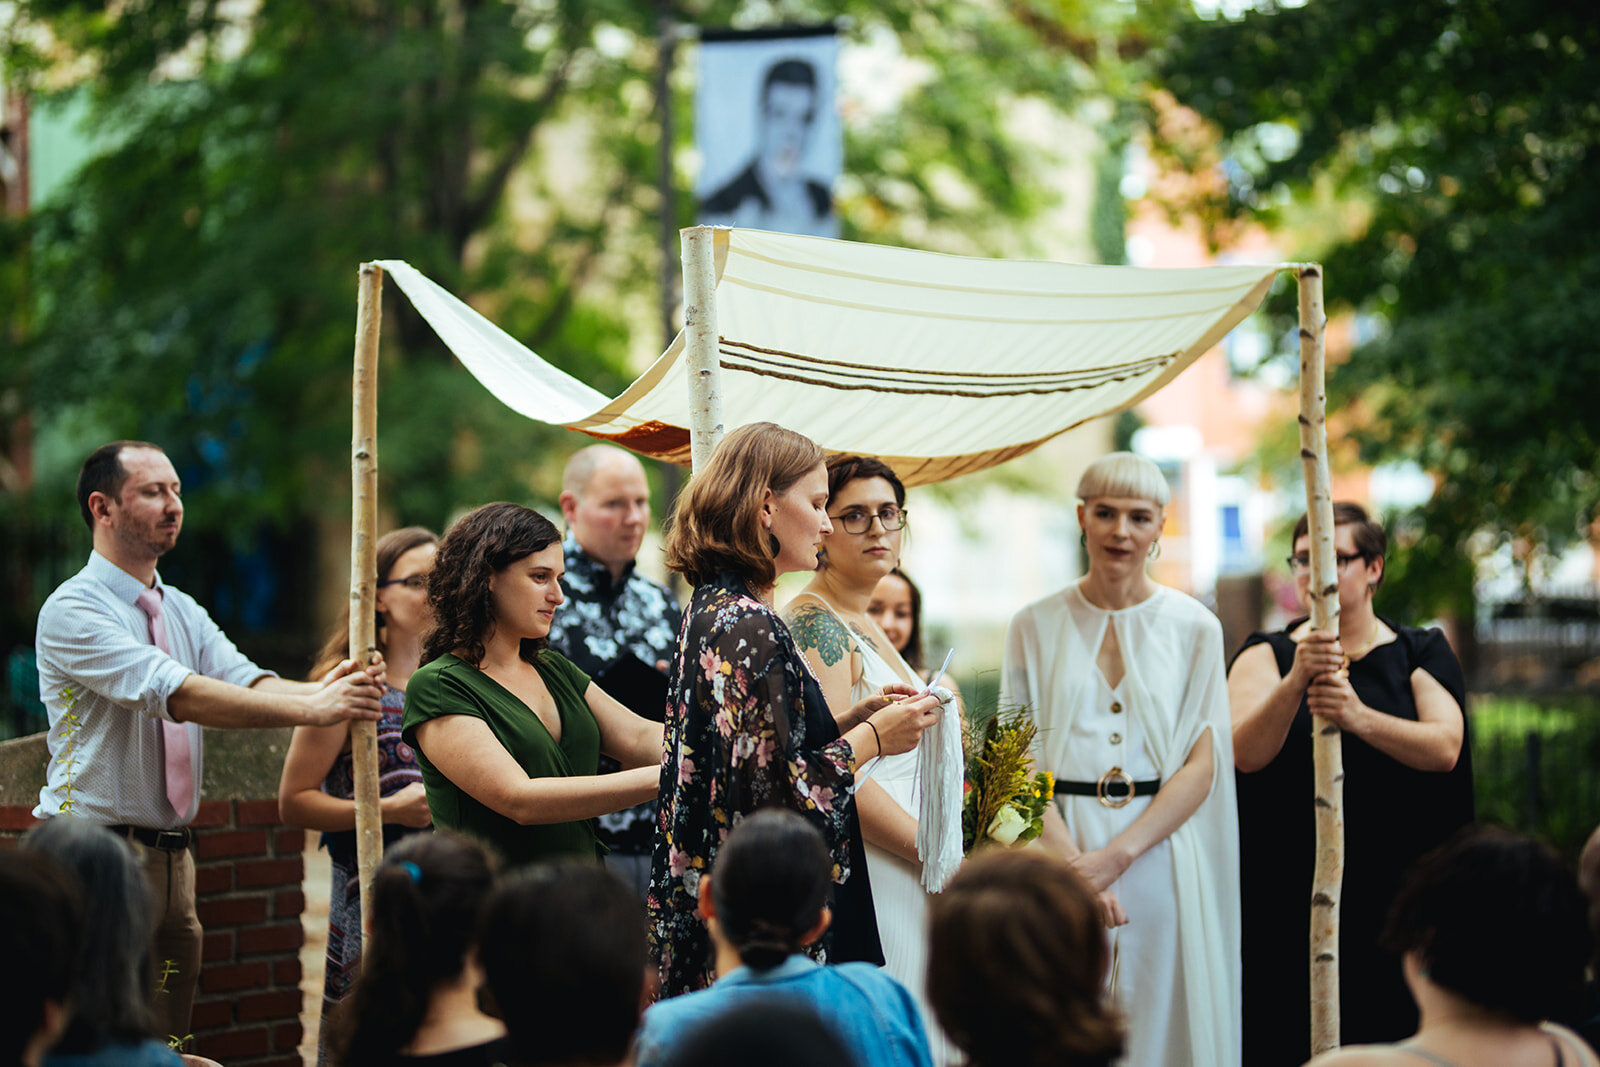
(1155, 549)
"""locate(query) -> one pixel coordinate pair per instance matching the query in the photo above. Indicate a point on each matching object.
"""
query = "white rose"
(1007, 825)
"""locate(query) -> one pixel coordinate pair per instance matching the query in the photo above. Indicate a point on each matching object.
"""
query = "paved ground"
(314, 954)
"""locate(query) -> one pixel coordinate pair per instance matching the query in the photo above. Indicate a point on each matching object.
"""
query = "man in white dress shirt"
(129, 670)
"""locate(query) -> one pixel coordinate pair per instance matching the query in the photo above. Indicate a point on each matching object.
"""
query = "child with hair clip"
(415, 1001)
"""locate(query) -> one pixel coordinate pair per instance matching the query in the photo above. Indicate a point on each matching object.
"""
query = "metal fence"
(1547, 642)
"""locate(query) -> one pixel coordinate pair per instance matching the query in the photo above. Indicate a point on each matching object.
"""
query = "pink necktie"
(175, 735)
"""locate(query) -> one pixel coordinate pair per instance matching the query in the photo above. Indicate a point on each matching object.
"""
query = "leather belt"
(165, 840)
(1115, 789)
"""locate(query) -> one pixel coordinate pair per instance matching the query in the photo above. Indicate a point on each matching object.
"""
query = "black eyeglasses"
(416, 583)
(1302, 562)
(859, 520)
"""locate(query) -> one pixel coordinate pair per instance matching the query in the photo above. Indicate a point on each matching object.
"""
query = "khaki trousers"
(177, 936)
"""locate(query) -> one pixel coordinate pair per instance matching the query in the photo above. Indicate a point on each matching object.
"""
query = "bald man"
(618, 626)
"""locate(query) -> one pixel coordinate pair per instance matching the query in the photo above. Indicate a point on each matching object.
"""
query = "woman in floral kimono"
(747, 726)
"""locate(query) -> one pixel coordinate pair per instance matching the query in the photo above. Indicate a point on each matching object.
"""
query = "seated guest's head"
(565, 964)
(1017, 964)
(426, 899)
(39, 941)
(110, 997)
(770, 1032)
(1496, 919)
(769, 890)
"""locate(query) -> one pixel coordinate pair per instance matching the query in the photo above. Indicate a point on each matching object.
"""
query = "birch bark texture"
(701, 342)
(364, 571)
(1326, 740)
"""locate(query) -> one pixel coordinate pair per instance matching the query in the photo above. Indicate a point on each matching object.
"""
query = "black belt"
(1115, 789)
(165, 840)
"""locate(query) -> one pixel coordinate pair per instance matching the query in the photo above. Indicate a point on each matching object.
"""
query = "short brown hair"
(715, 524)
(844, 469)
(1017, 964)
(1371, 540)
(103, 472)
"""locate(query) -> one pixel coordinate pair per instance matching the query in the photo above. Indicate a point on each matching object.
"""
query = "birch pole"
(1326, 752)
(701, 342)
(364, 571)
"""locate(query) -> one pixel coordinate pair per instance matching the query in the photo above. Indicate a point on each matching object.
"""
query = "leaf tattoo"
(815, 627)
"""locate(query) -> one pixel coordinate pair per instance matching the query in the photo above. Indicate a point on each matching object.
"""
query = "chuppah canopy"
(941, 365)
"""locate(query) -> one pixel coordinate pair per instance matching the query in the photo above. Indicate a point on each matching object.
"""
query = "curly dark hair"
(1497, 919)
(478, 544)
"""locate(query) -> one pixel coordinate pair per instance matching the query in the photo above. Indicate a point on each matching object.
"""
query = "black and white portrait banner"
(768, 131)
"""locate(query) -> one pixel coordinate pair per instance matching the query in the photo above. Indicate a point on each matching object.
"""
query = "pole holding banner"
(1326, 744)
(364, 572)
(701, 342)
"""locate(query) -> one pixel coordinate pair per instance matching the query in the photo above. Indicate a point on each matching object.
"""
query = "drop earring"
(1155, 549)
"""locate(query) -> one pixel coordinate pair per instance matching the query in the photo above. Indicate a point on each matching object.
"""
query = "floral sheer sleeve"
(738, 737)
(762, 732)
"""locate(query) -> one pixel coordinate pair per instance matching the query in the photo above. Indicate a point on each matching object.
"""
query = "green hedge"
(1536, 767)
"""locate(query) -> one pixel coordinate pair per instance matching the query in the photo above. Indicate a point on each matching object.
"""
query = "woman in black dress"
(1408, 785)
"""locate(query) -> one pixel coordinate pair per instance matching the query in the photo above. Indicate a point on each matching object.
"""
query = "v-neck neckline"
(560, 717)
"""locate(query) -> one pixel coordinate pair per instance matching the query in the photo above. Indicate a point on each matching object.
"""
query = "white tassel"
(940, 769)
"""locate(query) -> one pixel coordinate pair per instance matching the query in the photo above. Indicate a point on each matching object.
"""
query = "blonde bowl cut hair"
(1124, 474)
(715, 523)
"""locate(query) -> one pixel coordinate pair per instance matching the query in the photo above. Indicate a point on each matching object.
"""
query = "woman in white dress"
(1125, 679)
(850, 654)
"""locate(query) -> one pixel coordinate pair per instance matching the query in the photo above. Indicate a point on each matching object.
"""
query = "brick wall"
(248, 874)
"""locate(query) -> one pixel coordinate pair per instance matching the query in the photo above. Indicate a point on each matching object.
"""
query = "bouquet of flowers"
(1004, 797)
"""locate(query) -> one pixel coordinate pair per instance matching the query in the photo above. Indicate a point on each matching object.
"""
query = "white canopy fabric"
(940, 365)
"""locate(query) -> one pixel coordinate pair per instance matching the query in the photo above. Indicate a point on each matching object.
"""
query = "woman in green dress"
(509, 733)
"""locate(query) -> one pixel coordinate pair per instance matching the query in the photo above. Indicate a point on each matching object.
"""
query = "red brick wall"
(248, 871)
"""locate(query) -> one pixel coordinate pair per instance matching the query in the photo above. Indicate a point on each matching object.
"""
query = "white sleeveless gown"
(898, 898)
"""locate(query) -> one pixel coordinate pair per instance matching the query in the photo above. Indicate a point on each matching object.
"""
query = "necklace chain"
(1367, 645)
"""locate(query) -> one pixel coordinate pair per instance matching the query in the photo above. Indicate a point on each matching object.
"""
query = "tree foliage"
(195, 283)
(1440, 158)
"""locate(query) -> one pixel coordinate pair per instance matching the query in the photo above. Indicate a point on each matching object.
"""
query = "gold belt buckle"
(1115, 774)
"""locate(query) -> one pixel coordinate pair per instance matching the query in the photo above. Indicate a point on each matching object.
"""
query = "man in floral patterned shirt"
(618, 626)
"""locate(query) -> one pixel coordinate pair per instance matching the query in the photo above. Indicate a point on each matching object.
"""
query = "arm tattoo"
(866, 638)
(816, 627)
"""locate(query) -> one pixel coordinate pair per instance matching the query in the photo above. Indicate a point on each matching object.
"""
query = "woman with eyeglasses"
(1397, 693)
(852, 657)
(1124, 677)
(747, 724)
(317, 789)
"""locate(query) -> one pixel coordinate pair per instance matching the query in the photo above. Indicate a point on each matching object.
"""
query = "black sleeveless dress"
(1393, 814)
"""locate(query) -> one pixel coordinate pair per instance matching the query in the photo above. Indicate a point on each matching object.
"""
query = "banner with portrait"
(768, 131)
